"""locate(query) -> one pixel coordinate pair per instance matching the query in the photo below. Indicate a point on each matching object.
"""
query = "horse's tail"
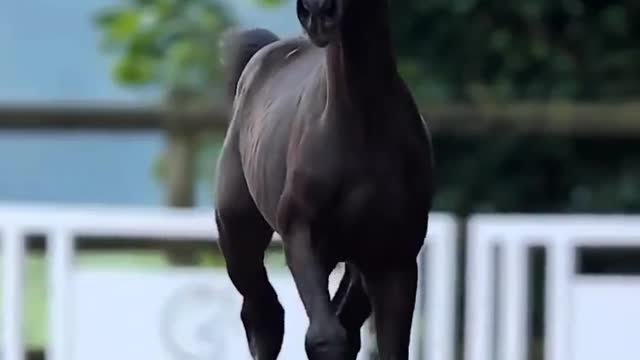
(237, 47)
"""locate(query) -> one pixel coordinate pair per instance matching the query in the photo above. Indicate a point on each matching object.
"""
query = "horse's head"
(321, 19)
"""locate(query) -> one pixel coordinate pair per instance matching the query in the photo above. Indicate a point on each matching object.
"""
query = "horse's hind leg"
(244, 237)
(392, 292)
(352, 307)
(243, 241)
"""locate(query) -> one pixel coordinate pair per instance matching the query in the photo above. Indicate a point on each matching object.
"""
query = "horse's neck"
(361, 64)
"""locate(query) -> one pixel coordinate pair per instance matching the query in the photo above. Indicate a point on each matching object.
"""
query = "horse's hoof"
(328, 343)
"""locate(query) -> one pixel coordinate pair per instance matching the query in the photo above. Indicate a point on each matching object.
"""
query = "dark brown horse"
(326, 147)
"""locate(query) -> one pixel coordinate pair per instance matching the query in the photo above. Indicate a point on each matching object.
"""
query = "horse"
(327, 148)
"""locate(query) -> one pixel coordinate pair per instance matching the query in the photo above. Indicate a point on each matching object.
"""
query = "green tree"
(172, 46)
(490, 50)
(169, 44)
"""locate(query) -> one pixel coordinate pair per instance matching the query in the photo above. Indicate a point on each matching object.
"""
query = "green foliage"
(450, 51)
(497, 51)
(269, 3)
(490, 50)
(171, 43)
(537, 174)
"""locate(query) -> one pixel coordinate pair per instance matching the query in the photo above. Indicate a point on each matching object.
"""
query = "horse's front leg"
(392, 291)
(352, 307)
(326, 338)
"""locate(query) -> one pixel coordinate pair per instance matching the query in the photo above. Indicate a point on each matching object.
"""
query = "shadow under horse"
(326, 146)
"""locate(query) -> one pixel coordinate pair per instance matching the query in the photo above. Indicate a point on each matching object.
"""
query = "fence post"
(181, 168)
(440, 296)
(13, 263)
(181, 154)
(479, 327)
(60, 249)
(513, 280)
(561, 263)
(181, 162)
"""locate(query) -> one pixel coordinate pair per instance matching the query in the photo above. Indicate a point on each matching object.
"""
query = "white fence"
(83, 305)
(586, 317)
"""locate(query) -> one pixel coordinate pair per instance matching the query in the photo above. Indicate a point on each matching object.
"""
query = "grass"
(36, 283)
(35, 307)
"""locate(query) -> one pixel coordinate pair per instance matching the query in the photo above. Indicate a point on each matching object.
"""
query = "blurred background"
(533, 105)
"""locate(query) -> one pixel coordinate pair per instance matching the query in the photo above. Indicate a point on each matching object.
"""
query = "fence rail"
(183, 124)
(561, 119)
